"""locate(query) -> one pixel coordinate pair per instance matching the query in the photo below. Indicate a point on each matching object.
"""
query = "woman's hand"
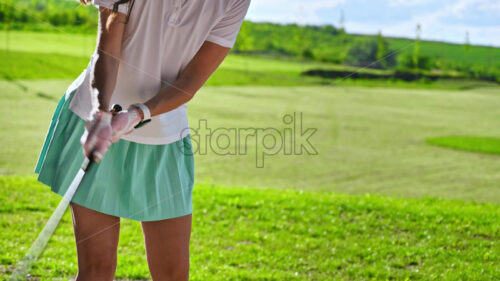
(124, 122)
(97, 137)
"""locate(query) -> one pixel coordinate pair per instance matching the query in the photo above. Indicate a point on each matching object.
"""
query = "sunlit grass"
(368, 139)
(469, 143)
(249, 234)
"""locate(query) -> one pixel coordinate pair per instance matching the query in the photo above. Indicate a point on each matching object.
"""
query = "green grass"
(26, 65)
(440, 84)
(31, 55)
(248, 234)
(469, 143)
(368, 139)
(254, 70)
(235, 70)
(482, 55)
(64, 43)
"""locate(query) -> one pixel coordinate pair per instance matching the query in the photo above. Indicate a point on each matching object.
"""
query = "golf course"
(399, 180)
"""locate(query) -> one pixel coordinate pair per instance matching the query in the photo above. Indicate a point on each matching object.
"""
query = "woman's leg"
(96, 236)
(167, 248)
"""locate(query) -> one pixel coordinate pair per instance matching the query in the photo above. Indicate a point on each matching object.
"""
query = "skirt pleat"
(137, 181)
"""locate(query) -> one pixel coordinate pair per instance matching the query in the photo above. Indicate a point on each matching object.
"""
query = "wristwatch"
(145, 112)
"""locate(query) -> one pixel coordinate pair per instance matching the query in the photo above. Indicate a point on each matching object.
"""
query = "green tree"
(363, 53)
(308, 54)
(297, 38)
(245, 41)
(424, 62)
(330, 30)
(372, 53)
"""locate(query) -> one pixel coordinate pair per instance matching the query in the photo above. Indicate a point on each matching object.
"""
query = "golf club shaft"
(24, 265)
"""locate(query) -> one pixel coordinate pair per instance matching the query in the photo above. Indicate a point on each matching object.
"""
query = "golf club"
(21, 271)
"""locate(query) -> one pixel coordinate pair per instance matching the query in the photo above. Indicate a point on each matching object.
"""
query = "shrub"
(308, 54)
(424, 62)
(366, 54)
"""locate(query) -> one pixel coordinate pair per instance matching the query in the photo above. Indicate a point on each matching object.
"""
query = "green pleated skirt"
(138, 181)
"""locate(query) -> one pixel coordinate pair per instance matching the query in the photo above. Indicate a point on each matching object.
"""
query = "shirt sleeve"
(122, 8)
(226, 30)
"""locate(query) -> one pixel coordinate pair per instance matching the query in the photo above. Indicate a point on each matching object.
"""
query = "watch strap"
(142, 123)
(144, 109)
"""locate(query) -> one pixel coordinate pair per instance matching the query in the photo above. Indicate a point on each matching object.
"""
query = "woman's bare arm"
(190, 80)
(108, 55)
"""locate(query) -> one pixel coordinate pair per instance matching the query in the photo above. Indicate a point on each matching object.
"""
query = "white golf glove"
(124, 122)
(97, 136)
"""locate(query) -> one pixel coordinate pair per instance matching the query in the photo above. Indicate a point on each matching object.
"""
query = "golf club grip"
(89, 161)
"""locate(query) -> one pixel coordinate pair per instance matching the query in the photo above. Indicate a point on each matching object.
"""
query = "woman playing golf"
(151, 58)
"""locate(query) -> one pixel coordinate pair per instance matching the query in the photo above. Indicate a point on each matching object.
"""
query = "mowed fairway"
(368, 140)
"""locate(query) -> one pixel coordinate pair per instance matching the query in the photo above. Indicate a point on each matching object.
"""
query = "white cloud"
(301, 12)
(433, 28)
(395, 3)
(307, 11)
(435, 25)
(459, 8)
(490, 7)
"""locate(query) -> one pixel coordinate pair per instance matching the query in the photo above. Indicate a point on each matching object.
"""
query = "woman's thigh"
(167, 247)
(96, 236)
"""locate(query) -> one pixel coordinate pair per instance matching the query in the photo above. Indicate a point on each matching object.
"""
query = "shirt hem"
(122, 8)
(220, 41)
(155, 140)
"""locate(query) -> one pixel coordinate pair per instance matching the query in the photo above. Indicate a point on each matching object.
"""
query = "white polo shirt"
(160, 39)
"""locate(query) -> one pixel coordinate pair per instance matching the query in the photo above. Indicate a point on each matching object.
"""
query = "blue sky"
(444, 20)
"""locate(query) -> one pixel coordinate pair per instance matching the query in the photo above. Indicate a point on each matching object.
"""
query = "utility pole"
(416, 50)
(342, 21)
(467, 41)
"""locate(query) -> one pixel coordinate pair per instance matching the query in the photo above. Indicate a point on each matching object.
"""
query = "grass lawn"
(477, 144)
(454, 52)
(249, 234)
(41, 55)
(26, 65)
(368, 139)
(81, 45)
